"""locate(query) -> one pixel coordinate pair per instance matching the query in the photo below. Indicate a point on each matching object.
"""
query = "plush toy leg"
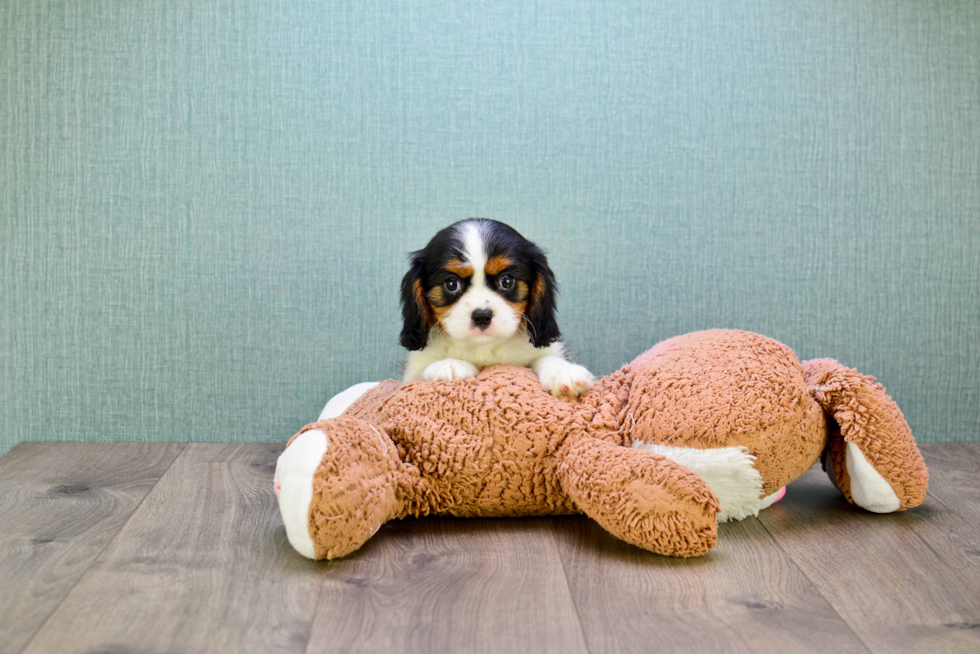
(871, 455)
(641, 497)
(336, 483)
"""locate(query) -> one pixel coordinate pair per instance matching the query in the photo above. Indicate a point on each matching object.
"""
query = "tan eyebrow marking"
(459, 268)
(497, 264)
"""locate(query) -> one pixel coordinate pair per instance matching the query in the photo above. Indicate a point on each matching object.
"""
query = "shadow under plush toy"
(702, 428)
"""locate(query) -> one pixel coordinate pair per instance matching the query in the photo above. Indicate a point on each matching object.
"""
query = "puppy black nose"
(481, 318)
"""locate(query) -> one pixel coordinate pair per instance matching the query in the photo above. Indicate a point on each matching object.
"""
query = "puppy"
(481, 294)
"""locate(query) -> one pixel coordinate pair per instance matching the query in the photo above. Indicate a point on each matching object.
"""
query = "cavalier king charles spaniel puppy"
(481, 294)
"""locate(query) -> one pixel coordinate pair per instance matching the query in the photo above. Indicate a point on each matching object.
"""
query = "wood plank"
(743, 596)
(904, 582)
(60, 504)
(449, 585)
(202, 566)
(954, 472)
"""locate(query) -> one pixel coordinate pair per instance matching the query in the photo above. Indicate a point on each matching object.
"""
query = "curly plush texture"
(641, 497)
(722, 388)
(353, 488)
(862, 413)
(499, 445)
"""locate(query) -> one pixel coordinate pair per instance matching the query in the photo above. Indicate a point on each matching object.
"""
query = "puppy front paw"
(565, 379)
(449, 369)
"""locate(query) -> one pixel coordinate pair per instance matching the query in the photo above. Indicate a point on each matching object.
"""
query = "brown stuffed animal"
(703, 427)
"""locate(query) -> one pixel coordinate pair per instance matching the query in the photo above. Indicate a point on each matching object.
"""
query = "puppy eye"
(452, 285)
(505, 282)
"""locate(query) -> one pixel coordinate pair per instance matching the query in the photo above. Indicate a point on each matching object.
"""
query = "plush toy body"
(703, 427)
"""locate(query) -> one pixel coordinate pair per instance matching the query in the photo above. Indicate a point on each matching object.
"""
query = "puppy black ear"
(541, 308)
(416, 312)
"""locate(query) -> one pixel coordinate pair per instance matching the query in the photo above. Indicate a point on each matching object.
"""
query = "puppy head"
(480, 281)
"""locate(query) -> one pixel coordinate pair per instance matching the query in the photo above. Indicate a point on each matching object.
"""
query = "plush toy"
(702, 428)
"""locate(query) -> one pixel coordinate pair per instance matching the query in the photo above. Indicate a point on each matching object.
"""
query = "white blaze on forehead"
(458, 321)
(474, 251)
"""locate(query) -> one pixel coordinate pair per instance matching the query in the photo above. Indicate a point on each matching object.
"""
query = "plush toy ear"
(416, 312)
(540, 312)
(871, 455)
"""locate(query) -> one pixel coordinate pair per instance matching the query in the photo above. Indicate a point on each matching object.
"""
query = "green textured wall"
(204, 207)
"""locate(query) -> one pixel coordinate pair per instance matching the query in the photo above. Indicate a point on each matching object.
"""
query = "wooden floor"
(128, 547)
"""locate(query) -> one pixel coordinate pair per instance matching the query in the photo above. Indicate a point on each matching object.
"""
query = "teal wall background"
(205, 206)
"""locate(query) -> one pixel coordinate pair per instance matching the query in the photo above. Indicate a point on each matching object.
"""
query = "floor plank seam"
(316, 612)
(95, 559)
(936, 496)
(816, 587)
(571, 595)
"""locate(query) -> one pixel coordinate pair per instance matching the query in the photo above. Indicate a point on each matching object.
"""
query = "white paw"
(568, 379)
(449, 369)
